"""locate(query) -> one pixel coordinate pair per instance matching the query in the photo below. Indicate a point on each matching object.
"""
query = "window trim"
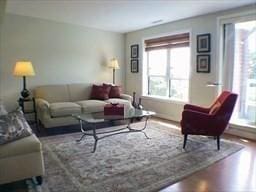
(163, 99)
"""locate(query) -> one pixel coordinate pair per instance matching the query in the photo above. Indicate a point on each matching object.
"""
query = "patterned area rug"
(127, 162)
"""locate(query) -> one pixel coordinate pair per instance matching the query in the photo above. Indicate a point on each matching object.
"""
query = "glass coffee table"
(88, 122)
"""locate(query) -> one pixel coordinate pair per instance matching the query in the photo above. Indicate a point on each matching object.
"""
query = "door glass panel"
(244, 73)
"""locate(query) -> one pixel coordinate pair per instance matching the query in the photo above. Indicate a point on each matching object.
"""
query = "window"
(168, 62)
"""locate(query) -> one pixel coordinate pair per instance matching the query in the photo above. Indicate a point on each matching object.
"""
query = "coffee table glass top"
(100, 117)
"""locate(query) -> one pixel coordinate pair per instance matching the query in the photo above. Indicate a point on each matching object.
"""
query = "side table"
(22, 103)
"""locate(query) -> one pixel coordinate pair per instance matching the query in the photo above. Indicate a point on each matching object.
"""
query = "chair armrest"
(126, 97)
(196, 108)
(42, 104)
(195, 116)
(194, 122)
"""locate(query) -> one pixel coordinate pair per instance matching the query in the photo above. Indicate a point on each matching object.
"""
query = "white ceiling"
(119, 15)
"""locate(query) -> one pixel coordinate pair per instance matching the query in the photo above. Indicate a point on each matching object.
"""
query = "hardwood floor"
(234, 173)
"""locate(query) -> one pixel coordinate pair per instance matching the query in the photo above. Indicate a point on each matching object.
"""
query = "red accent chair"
(210, 121)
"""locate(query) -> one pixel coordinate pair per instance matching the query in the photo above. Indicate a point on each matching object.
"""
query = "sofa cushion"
(100, 92)
(53, 93)
(22, 146)
(13, 126)
(79, 92)
(126, 103)
(64, 109)
(92, 106)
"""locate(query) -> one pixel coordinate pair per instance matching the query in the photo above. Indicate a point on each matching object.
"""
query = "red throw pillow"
(107, 85)
(100, 92)
(115, 91)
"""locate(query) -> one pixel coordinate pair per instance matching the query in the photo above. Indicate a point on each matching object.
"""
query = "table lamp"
(24, 69)
(114, 65)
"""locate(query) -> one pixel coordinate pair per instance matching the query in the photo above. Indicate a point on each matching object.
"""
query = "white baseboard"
(167, 117)
(248, 133)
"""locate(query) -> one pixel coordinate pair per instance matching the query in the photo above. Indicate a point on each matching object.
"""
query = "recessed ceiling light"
(157, 21)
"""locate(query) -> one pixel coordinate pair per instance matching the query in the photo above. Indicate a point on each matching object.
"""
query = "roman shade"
(179, 40)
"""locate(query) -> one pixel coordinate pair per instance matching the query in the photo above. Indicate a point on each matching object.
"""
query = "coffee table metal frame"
(84, 129)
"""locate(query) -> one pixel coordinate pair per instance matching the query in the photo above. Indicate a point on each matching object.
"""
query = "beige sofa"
(21, 159)
(56, 103)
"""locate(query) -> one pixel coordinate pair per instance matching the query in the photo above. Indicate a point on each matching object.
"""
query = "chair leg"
(185, 141)
(218, 142)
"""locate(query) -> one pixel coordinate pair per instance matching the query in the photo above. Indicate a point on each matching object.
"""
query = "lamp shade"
(113, 64)
(23, 68)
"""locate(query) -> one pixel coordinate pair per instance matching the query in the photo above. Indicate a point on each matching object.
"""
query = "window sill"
(163, 99)
(248, 128)
(242, 131)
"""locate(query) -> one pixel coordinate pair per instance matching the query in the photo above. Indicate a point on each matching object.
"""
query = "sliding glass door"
(244, 73)
(240, 69)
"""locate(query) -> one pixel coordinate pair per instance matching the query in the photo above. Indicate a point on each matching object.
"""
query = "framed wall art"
(134, 65)
(204, 43)
(203, 64)
(135, 51)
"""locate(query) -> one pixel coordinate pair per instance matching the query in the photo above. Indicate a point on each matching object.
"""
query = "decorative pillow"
(100, 92)
(115, 91)
(215, 108)
(13, 126)
(107, 85)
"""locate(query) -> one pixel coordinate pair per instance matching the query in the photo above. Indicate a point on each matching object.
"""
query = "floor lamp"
(114, 65)
(24, 69)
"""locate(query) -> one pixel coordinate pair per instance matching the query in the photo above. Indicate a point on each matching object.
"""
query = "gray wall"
(2, 11)
(199, 93)
(61, 53)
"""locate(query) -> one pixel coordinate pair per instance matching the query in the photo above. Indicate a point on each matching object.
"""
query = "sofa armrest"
(42, 104)
(126, 97)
